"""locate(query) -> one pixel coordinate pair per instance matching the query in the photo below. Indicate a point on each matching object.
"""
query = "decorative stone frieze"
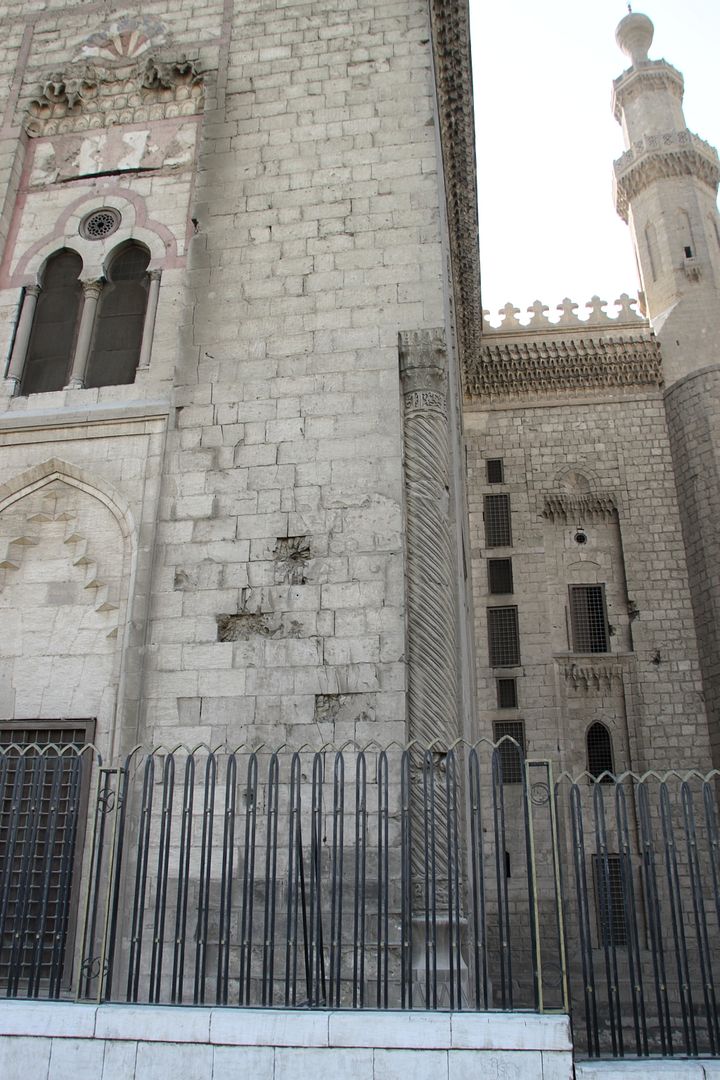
(660, 157)
(653, 76)
(89, 96)
(563, 506)
(593, 675)
(451, 49)
(568, 363)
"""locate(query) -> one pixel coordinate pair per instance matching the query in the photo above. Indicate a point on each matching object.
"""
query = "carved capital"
(33, 290)
(423, 368)
(155, 275)
(92, 289)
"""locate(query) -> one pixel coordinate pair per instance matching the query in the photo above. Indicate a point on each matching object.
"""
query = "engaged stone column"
(431, 578)
(149, 323)
(91, 296)
(433, 694)
(22, 334)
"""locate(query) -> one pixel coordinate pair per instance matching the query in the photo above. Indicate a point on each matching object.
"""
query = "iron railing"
(366, 878)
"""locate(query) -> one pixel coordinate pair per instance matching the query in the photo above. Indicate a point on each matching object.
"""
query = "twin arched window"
(74, 333)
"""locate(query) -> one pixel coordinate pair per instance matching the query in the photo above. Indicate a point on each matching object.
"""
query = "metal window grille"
(608, 878)
(511, 756)
(507, 693)
(588, 618)
(497, 521)
(495, 474)
(503, 637)
(42, 806)
(500, 576)
(599, 753)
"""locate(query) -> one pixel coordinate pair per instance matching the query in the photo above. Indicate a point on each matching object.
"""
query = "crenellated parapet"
(570, 355)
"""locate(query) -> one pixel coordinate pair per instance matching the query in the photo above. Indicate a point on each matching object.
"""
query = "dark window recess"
(120, 319)
(503, 637)
(500, 576)
(43, 803)
(599, 752)
(495, 473)
(507, 693)
(55, 324)
(608, 880)
(510, 756)
(497, 521)
(588, 618)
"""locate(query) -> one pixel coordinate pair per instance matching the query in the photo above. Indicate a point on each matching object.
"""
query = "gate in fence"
(377, 878)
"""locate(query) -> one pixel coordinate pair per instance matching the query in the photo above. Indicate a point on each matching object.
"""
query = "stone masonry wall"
(277, 594)
(693, 410)
(647, 689)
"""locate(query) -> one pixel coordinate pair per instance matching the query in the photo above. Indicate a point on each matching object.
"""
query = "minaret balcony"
(660, 156)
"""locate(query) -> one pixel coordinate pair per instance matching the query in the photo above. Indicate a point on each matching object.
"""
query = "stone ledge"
(288, 1027)
(158, 408)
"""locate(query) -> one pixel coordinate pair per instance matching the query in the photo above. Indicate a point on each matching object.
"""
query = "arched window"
(599, 752)
(118, 334)
(54, 326)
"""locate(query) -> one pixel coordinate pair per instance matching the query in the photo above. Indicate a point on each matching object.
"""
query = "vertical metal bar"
(505, 958)
(559, 892)
(206, 848)
(655, 931)
(156, 961)
(477, 885)
(291, 942)
(701, 930)
(607, 931)
(678, 928)
(226, 881)
(181, 906)
(248, 896)
(453, 863)
(338, 853)
(530, 862)
(317, 994)
(117, 850)
(381, 988)
(141, 870)
(87, 937)
(268, 975)
(360, 863)
(76, 764)
(711, 824)
(635, 975)
(406, 921)
(430, 874)
(581, 887)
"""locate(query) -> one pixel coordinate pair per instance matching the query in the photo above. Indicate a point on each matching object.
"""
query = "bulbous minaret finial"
(634, 35)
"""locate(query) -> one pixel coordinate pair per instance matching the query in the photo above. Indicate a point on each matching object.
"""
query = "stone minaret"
(666, 190)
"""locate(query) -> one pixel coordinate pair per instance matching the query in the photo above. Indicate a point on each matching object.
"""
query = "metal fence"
(376, 878)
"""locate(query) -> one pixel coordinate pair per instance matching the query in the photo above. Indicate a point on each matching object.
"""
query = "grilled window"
(599, 752)
(497, 521)
(42, 808)
(507, 693)
(511, 756)
(608, 879)
(503, 637)
(588, 618)
(500, 576)
(494, 468)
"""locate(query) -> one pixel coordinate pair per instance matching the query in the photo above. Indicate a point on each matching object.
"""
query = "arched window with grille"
(118, 333)
(599, 752)
(49, 350)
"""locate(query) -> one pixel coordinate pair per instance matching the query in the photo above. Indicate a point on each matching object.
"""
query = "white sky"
(546, 139)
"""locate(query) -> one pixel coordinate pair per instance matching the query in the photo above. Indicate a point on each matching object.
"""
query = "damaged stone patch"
(291, 555)
(242, 627)
(344, 708)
